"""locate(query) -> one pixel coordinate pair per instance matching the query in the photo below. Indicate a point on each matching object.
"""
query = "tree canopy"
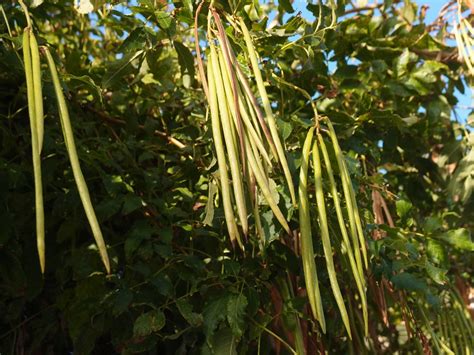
(389, 179)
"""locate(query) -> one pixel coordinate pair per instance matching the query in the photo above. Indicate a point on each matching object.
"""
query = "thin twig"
(200, 64)
(363, 8)
(115, 120)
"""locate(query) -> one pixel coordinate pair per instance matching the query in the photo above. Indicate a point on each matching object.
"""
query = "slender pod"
(221, 160)
(253, 103)
(230, 142)
(74, 159)
(268, 110)
(36, 66)
(228, 68)
(240, 116)
(251, 110)
(263, 185)
(357, 272)
(254, 134)
(349, 195)
(259, 165)
(323, 224)
(306, 244)
(35, 151)
(200, 64)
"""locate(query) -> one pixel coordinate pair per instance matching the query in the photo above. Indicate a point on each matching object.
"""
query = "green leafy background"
(177, 286)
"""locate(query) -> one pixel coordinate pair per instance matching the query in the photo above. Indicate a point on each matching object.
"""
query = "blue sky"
(465, 100)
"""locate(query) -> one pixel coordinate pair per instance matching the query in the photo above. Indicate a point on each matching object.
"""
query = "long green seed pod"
(256, 210)
(242, 114)
(358, 274)
(36, 66)
(268, 110)
(253, 134)
(254, 109)
(228, 67)
(306, 244)
(230, 142)
(349, 195)
(39, 208)
(221, 160)
(252, 102)
(251, 110)
(258, 161)
(74, 159)
(323, 224)
(263, 185)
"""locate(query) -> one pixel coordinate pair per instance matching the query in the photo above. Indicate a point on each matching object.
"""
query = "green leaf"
(458, 238)
(235, 313)
(122, 301)
(432, 224)
(186, 310)
(436, 251)
(285, 128)
(186, 63)
(131, 203)
(164, 19)
(135, 41)
(148, 323)
(87, 81)
(409, 282)
(403, 207)
(223, 343)
(286, 5)
(209, 216)
(119, 68)
(214, 312)
(437, 274)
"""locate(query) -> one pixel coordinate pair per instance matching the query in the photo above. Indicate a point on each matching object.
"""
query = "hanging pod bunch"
(246, 139)
(452, 330)
(352, 242)
(32, 65)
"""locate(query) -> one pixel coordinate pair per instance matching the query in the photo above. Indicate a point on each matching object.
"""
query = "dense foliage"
(385, 78)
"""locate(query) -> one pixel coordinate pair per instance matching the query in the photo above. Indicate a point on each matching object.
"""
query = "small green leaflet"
(209, 217)
(149, 322)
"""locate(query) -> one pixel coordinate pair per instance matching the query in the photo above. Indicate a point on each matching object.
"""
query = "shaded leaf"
(148, 323)
(236, 307)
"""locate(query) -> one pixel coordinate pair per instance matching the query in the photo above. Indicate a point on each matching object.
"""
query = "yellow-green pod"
(268, 110)
(323, 224)
(221, 159)
(39, 208)
(306, 238)
(356, 271)
(230, 141)
(37, 87)
(75, 165)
